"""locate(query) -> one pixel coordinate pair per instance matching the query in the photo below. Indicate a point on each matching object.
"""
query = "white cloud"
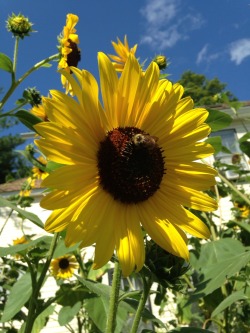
(204, 56)
(201, 56)
(162, 39)
(159, 11)
(165, 26)
(239, 50)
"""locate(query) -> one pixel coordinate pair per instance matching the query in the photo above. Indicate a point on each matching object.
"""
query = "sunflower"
(123, 51)
(38, 173)
(70, 53)
(63, 267)
(27, 187)
(19, 241)
(242, 209)
(129, 163)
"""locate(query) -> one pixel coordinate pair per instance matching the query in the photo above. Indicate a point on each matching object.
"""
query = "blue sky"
(207, 37)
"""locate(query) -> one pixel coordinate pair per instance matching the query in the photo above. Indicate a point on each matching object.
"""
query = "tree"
(202, 90)
(12, 164)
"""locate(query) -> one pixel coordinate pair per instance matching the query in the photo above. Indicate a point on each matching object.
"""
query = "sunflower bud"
(161, 61)
(33, 96)
(164, 266)
(19, 25)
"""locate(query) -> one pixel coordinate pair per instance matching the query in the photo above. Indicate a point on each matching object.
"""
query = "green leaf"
(27, 118)
(245, 137)
(234, 297)
(46, 65)
(218, 120)
(62, 249)
(244, 144)
(189, 330)
(19, 295)
(217, 251)
(11, 250)
(97, 308)
(6, 63)
(42, 319)
(68, 296)
(51, 166)
(216, 142)
(219, 260)
(96, 287)
(24, 214)
(67, 313)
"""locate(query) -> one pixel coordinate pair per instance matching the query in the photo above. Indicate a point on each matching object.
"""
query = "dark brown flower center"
(74, 56)
(64, 263)
(130, 164)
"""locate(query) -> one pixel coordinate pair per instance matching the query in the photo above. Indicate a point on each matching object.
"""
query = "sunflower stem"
(32, 310)
(242, 195)
(147, 283)
(15, 83)
(113, 304)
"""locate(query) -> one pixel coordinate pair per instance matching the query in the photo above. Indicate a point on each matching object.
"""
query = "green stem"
(78, 257)
(32, 311)
(15, 84)
(10, 113)
(113, 304)
(15, 58)
(6, 221)
(242, 195)
(145, 292)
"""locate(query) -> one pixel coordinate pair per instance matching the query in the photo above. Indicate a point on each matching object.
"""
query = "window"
(232, 158)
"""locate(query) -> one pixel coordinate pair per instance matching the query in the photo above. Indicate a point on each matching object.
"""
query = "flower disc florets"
(64, 263)
(75, 55)
(130, 164)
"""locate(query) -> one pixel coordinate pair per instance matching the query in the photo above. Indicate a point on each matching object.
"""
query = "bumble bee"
(144, 140)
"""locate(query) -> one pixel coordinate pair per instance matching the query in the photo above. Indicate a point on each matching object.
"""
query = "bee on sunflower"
(130, 162)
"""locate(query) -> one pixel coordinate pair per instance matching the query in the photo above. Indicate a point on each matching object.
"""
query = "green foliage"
(19, 295)
(23, 213)
(218, 120)
(12, 166)
(6, 63)
(211, 292)
(202, 90)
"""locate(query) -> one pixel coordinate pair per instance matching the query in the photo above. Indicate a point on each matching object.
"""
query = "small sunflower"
(123, 51)
(27, 187)
(37, 172)
(70, 53)
(129, 163)
(18, 241)
(242, 210)
(63, 267)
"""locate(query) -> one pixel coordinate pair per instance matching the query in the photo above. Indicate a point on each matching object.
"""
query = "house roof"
(15, 185)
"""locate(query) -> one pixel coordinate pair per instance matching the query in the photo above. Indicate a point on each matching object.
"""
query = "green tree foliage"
(12, 164)
(202, 90)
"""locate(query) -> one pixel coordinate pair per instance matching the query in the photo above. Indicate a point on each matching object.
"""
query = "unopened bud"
(33, 96)
(19, 25)
(161, 61)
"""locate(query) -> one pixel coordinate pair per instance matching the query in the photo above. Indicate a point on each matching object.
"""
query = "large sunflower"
(129, 162)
